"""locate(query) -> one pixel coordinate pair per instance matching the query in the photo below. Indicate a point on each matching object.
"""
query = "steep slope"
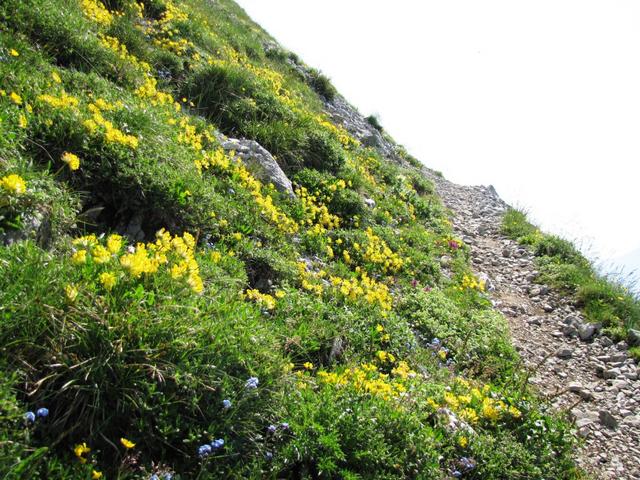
(213, 267)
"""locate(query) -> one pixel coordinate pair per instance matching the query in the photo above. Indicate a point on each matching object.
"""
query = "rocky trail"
(580, 372)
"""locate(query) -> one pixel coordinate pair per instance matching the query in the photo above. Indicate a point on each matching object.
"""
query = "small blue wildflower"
(226, 404)
(42, 412)
(272, 429)
(167, 476)
(216, 444)
(268, 456)
(252, 383)
(435, 341)
(154, 477)
(204, 450)
(30, 417)
(231, 191)
(457, 474)
(284, 426)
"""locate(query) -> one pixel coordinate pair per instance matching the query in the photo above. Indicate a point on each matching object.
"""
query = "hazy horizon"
(539, 100)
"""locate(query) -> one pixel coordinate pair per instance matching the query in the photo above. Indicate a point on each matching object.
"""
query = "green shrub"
(321, 84)
(374, 121)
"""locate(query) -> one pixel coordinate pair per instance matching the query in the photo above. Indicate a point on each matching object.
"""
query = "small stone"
(547, 308)
(506, 253)
(564, 353)
(607, 419)
(585, 332)
(569, 331)
(612, 373)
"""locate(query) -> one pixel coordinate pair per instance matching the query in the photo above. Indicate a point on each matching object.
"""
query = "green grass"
(333, 305)
(562, 266)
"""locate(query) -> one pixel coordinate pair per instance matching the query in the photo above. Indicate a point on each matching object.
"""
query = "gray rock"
(569, 331)
(633, 337)
(585, 332)
(564, 353)
(370, 202)
(607, 419)
(259, 162)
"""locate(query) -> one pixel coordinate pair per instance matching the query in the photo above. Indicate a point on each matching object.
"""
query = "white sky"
(539, 98)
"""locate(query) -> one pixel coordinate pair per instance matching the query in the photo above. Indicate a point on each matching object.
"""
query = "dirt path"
(575, 368)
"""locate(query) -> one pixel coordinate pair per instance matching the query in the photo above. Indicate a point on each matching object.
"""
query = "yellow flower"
(14, 53)
(22, 121)
(95, 475)
(71, 292)
(127, 443)
(114, 243)
(308, 365)
(100, 254)
(79, 257)
(80, 449)
(108, 280)
(379, 328)
(14, 184)
(15, 98)
(71, 160)
(463, 442)
(56, 78)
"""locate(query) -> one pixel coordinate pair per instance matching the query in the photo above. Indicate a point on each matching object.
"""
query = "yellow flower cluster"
(366, 379)
(478, 404)
(378, 252)
(179, 46)
(14, 184)
(113, 44)
(175, 254)
(263, 299)
(15, 98)
(316, 212)
(471, 283)
(96, 11)
(339, 132)
(149, 91)
(72, 160)
(111, 134)
(64, 101)
(364, 287)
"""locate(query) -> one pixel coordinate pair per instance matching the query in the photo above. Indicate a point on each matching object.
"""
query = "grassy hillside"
(165, 314)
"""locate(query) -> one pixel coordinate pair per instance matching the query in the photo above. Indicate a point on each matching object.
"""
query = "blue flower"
(268, 456)
(226, 404)
(42, 412)
(154, 477)
(252, 383)
(167, 476)
(216, 444)
(456, 474)
(272, 429)
(435, 341)
(30, 417)
(284, 426)
(204, 450)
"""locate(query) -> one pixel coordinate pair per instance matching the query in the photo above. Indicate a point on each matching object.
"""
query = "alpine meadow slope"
(214, 267)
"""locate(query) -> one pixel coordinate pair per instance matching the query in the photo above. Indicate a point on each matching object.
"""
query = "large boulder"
(259, 162)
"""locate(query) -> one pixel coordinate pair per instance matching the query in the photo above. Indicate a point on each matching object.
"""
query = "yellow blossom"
(71, 160)
(71, 292)
(14, 53)
(15, 98)
(127, 443)
(308, 365)
(95, 475)
(79, 257)
(108, 280)
(22, 121)
(13, 184)
(114, 243)
(56, 78)
(79, 450)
